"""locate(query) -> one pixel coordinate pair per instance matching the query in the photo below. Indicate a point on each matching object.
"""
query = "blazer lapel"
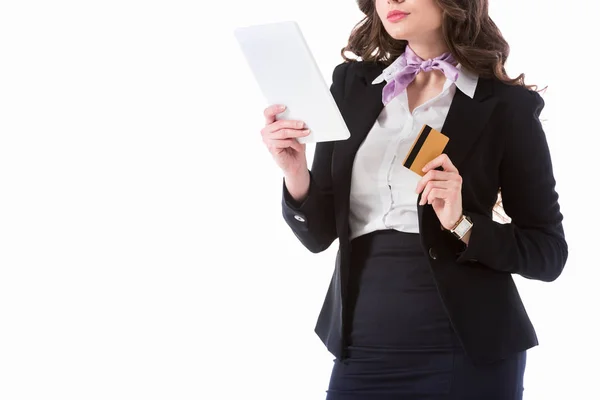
(360, 108)
(466, 119)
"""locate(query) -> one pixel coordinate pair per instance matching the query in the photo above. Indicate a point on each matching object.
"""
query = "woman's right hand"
(280, 138)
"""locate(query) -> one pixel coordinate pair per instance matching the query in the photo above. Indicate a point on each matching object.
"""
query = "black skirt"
(401, 344)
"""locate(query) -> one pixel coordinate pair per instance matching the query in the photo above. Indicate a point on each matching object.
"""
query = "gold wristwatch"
(460, 229)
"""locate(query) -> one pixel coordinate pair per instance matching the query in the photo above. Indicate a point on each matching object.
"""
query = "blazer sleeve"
(313, 220)
(533, 244)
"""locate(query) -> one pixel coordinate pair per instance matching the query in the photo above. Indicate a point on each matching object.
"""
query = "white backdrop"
(142, 250)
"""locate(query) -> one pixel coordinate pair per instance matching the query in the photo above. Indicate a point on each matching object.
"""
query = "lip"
(396, 15)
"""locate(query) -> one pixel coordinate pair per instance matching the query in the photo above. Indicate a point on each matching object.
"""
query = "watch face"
(462, 228)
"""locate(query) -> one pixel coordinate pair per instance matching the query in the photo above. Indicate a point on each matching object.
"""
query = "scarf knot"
(411, 64)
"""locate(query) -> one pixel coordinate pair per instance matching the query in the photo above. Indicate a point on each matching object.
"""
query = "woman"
(422, 303)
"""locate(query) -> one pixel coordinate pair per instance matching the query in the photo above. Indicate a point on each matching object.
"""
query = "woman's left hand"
(442, 189)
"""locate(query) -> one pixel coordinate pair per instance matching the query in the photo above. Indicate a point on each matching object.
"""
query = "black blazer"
(496, 141)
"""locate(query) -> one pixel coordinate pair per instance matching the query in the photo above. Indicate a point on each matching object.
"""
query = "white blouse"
(382, 191)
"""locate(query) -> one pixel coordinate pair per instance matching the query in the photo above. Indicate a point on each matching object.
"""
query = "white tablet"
(287, 73)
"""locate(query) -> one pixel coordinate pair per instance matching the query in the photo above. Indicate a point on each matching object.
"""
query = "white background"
(142, 250)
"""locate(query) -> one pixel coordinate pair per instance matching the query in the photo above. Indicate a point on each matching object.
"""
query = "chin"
(396, 31)
(399, 37)
(398, 34)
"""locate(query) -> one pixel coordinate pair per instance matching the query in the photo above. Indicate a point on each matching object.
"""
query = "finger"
(429, 197)
(434, 175)
(286, 123)
(271, 111)
(440, 161)
(281, 124)
(436, 162)
(437, 193)
(451, 187)
(296, 145)
(282, 144)
(286, 133)
(431, 185)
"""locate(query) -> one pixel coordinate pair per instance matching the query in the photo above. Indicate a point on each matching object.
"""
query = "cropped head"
(463, 25)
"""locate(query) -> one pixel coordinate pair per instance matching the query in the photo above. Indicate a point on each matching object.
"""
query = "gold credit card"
(428, 145)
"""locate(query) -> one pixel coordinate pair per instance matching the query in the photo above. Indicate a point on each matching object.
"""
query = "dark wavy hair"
(472, 37)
